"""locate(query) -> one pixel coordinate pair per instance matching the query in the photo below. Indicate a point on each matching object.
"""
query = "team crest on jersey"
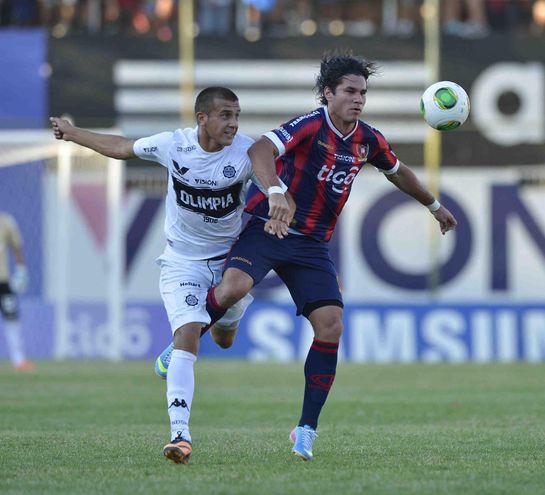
(229, 171)
(191, 300)
(364, 152)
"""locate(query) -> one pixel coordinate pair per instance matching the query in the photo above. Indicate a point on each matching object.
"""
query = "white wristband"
(275, 190)
(434, 206)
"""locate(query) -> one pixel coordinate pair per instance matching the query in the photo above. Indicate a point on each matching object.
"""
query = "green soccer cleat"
(162, 362)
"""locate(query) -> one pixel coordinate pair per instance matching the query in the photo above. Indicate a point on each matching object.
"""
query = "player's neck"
(207, 144)
(341, 125)
(210, 146)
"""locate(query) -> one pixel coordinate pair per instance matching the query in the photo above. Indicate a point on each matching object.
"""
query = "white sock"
(180, 389)
(14, 338)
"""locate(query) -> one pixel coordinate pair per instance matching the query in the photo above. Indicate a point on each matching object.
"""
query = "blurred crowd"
(275, 18)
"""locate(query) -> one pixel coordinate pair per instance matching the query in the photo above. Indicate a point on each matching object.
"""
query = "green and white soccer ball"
(445, 106)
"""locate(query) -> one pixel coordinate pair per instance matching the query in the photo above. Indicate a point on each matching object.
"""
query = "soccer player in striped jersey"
(317, 155)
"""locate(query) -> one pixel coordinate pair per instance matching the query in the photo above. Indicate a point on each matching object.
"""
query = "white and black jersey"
(206, 190)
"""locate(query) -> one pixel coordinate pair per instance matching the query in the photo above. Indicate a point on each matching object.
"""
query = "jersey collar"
(335, 130)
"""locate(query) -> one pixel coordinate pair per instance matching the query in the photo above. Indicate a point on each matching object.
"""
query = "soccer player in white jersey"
(209, 173)
(12, 284)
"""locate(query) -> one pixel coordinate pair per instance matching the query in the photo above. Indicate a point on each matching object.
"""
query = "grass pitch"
(99, 428)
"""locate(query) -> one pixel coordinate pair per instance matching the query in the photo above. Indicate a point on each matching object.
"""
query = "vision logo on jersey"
(344, 158)
(229, 171)
(191, 300)
(215, 203)
(206, 182)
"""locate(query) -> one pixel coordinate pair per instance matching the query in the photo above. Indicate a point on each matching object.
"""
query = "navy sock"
(213, 308)
(320, 368)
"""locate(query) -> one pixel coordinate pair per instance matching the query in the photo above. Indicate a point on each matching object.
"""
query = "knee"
(224, 342)
(328, 324)
(224, 338)
(187, 337)
(233, 287)
(331, 331)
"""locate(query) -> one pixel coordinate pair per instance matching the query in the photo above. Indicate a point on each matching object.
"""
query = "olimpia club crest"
(191, 300)
(229, 171)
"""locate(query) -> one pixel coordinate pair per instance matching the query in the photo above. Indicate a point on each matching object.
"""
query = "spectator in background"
(19, 13)
(277, 18)
(505, 15)
(215, 17)
(473, 24)
(408, 17)
(538, 15)
(6, 7)
(12, 284)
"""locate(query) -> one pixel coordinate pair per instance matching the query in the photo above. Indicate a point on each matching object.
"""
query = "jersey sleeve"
(154, 148)
(384, 158)
(294, 132)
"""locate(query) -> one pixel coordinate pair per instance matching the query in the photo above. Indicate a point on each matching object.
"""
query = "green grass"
(99, 428)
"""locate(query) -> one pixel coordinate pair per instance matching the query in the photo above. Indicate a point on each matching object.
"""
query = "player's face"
(219, 126)
(346, 103)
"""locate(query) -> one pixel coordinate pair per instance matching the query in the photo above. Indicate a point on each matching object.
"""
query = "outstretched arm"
(106, 144)
(405, 180)
(262, 154)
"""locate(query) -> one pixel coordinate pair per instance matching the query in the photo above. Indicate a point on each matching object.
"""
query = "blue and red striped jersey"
(318, 164)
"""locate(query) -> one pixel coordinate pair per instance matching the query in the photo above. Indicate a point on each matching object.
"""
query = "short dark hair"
(335, 66)
(205, 99)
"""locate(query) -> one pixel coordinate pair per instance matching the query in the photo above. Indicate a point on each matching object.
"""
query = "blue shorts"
(303, 264)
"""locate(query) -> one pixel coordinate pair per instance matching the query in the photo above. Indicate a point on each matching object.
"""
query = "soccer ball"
(445, 106)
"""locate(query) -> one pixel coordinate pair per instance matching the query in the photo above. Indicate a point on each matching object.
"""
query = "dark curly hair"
(335, 66)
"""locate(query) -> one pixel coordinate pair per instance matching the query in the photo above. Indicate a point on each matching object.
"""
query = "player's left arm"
(405, 180)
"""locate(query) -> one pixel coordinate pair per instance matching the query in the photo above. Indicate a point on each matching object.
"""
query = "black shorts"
(9, 305)
(302, 263)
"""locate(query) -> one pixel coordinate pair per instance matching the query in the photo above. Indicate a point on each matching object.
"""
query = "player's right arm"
(118, 147)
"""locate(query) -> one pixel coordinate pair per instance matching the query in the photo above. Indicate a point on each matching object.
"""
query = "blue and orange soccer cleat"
(303, 438)
(178, 450)
(162, 362)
